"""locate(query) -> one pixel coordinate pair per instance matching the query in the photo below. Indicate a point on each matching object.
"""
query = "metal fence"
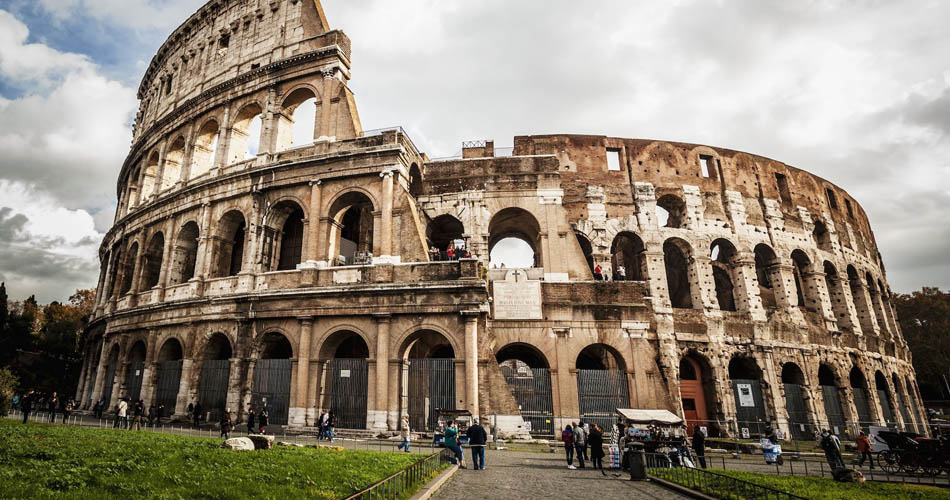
(405, 481)
(712, 483)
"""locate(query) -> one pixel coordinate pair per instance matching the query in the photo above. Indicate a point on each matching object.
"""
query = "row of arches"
(214, 143)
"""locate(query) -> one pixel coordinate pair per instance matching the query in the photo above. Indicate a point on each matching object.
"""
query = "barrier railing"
(712, 483)
(404, 481)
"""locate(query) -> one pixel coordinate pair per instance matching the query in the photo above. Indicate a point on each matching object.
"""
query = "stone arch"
(627, 250)
(152, 262)
(150, 181)
(903, 403)
(747, 382)
(416, 180)
(112, 363)
(600, 357)
(697, 392)
(174, 161)
(443, 231)
(836, 292)
(510, 225)
(273, 367)
(217, 346)
(912, 399)
(427, 343)
(723, 255)
(214, 377)
(877, 302)
(526, 354)
(128, 271)
(229, 242)
(671, 211)
(135, 359)
(294, 106)
(204, 148)
(677, 255)
(428, 376)
(284, 236)
(133, 190)
(586, 249)
(345, 341)
(243, 144)
(861, 300)
(766, 273)
(408, 337)
(830, 385)
(274, 344)
(527, 374)
(794, 385)
(346, 392)
(884, 398)
(602, 385)
(822, 236)
(804, 282)
(184, 254)
(859, 389)
(351, 227)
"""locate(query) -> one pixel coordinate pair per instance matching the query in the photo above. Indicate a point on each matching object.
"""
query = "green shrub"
(8, 383)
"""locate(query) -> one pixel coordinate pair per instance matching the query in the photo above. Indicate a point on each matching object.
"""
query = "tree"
(3, 311)
(924, 319)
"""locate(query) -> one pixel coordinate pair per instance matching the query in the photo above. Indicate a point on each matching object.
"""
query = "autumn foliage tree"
(924, 318)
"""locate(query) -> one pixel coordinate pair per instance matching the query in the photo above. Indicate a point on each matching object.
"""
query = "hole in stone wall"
(675, 211)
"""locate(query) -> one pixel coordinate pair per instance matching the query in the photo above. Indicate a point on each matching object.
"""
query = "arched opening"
(914, 409)
(134, 371)
(831, 397)
(351, 231)
(109, 382)
(836, 294)
(445, 232)
(722, 255)
(428, 378)
(860, 299)
(282, 246)
(513, 239)
(150, 180)
(168, 375)
(230, 244)
(793, 380)
(877, 303)
(587, 250)
(670, 211)
(245, 134)
(529, 380)
(297, 121)
(765, 268)
(415, 180)
(859, 391)
(884, 398)
(215, 375)
(746, 380)
(174, 159)
(272, 378)
(152, 264)
(675, 255)
(800, 269)
(627, 257)
(128, 269)
(696, 392)
(185, 254)
(822, 236)
(204, 150)
(601, 384)
(134, 192)
(901, 398)
(346, 353)
(116, 265)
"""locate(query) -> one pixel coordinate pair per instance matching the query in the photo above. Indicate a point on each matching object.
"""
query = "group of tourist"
(604, 274)
(477, 440)
(581, 438)
(451, 252)
(32, 402)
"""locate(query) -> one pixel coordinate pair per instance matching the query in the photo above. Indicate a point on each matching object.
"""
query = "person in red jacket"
(864, 447)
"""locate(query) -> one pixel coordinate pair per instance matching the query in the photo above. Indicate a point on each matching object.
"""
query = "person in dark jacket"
(67, 410)
(699, 446)
(262, 420)
(251, 421)
(477, 438)
(138, 410)
(567, 437)
(197, 415)
(226, 424)
(26, 404)
(596, 442)
(161, 413)
(51, 406)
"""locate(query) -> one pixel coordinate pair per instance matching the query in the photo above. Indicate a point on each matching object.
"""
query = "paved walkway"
(529, 475)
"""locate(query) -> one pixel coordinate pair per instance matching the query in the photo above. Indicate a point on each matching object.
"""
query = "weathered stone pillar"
(160, 172)
(381, 409)
(100, 371)
(167, 261)
(184, 387)
(298, 415)
(203, 260)
(745, 289)
(471, 361)
(314, 225)
(386, 222)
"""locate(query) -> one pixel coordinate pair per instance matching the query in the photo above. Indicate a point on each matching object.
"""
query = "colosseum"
(267, 250)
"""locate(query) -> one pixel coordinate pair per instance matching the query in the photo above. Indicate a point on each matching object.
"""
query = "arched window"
(174, 158)
(627, 251)
(128, 270)
(168, 375)
(514, 238)
(722, 254)
(245, 134)
(822, 236)
(345, 353)
(152, 265)
(415, 180)
(675, 256)
(134, 191)
(765, 262)
(215, 374)
(185, 254)
(150, 180)
(586, 250)
(291, 235)
(205, 148)
(351, 233)
(297, 122)
(671, 211)
(272, 373)
(801, 265)
(444, 231)
(230, 243)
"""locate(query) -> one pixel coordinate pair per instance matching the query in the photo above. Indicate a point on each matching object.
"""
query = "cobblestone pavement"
(529, 475)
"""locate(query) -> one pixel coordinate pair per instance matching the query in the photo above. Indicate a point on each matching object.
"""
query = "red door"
(692, 395)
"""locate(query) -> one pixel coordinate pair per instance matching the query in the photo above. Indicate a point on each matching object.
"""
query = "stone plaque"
(517, 299)
(345, 276)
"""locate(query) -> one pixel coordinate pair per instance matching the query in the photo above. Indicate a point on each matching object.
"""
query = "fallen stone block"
(262, 442)
(239, 444)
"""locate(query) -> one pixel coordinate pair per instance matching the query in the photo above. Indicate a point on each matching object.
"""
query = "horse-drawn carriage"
(912, 453)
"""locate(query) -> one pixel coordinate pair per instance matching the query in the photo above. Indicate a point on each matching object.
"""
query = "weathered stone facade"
(302, 273)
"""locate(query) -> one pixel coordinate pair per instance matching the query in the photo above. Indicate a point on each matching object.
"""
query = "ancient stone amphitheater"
(260, 258)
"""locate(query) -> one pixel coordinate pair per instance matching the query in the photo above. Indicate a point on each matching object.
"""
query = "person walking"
(323, 425)
(51, 406)
(567, 437)
(26, 404)
(699, 446)
(331, 425)
(251, 421)
(405, 433)
(864, 447)
(596, 442)
(477, 438)
(197, 415)
(262, 420)
(138, 410)
(122, 413)
(832, 448)
(67, 410)
(226, 424)
(580, 444)
(160, 413)
(452, 443)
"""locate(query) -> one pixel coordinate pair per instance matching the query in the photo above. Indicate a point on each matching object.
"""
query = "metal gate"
(750, 410)
(350, 389)
(431, 388)
(169, 379)
(133, 380)
(864, 411)
(600, 393)
(531, 388)
(797, 412)
(107, 387)
(833, 411)
(902, 404)
(272, 389)
(213, 387)
(886, 408)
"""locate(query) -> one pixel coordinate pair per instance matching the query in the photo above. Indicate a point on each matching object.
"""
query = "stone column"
(471, 361)
(184, 387)
(386, 223)
(160, 172)
(298, 415)
(101, 371)
(380, 414)
(745, 289)
(82, 377)
(314, 224)
(203, 260)
(167, 261)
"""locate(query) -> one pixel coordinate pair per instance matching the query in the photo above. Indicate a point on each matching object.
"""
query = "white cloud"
(32, 64)
(135, 14)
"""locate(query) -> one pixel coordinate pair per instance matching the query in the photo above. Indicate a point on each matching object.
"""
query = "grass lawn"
(818, 488)
(43, 461)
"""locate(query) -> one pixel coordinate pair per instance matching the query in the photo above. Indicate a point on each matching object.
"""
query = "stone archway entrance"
(136, 370)
(272, 378)
(529, 379)
(693, 393)
(831, 398)
(747, 388)
(428, 378)
(169, 375)
(348, 372)
(215, 374)
(601, 385)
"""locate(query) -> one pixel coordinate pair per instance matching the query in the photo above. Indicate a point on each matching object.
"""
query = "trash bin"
(637, 458)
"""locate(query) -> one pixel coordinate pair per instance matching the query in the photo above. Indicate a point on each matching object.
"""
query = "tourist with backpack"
(567, 437)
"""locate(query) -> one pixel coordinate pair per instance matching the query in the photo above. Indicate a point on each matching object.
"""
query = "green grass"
(42, 461)
(818, 488)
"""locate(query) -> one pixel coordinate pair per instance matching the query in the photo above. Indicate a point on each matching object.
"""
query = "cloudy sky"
(857, 91)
